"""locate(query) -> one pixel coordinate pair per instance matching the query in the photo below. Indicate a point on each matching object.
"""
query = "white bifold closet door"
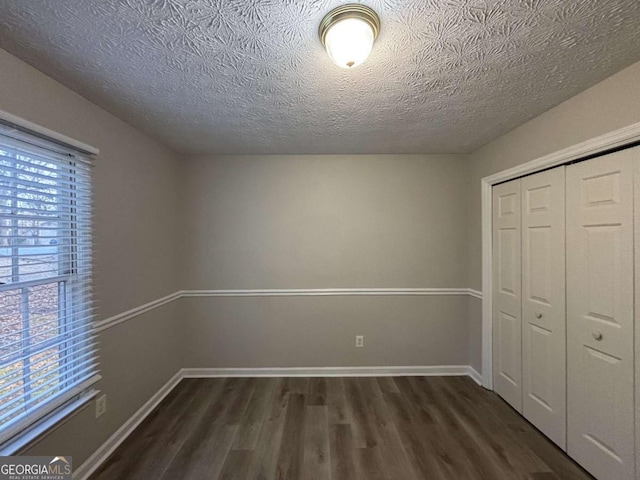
(529, 301)
(544, 352)
(507, 294)
(600, 315)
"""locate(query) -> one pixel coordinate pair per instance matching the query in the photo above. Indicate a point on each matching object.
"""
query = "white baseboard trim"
(402, 371)
(120, 435)
(114, 441)
(475, 375)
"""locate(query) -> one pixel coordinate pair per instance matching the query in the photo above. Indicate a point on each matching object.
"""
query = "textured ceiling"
(250, 76)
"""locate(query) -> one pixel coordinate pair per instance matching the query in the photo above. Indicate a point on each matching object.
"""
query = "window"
(47, 350)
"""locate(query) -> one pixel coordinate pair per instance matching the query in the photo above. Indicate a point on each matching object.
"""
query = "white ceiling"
(251, 77)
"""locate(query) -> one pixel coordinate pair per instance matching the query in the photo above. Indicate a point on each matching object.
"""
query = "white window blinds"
(47, 349)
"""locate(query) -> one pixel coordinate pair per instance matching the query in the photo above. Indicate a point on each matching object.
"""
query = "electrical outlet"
(359, 341)
(101, 405)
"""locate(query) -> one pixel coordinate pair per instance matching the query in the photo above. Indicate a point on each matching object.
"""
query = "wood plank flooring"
(403, 428)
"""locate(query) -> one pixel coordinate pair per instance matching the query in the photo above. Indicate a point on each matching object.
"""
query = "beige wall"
(136, 245)
(609, 105)
(325, 222)
(320, 331)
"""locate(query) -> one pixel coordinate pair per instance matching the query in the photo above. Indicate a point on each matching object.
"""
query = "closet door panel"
(507, 331)
(543, 303)
(600, 309)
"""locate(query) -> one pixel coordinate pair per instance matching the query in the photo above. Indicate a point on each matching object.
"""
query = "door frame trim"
(612, 140)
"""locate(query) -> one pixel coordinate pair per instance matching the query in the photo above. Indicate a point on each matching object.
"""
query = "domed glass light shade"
(348, 33)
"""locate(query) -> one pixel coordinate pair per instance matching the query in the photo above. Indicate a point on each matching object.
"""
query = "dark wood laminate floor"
(403, 428)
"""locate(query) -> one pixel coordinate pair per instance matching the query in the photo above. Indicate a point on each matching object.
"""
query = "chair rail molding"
(134, 312)
(114, 320)
(613, 140)
(328, 292)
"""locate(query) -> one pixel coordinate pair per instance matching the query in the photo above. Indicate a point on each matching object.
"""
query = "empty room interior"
(319, 240)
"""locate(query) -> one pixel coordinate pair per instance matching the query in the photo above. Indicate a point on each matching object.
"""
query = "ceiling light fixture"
(348, 33)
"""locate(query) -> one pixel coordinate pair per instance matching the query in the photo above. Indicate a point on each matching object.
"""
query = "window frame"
(71, 332)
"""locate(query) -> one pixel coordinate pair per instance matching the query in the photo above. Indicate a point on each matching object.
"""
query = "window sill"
(49, 423)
